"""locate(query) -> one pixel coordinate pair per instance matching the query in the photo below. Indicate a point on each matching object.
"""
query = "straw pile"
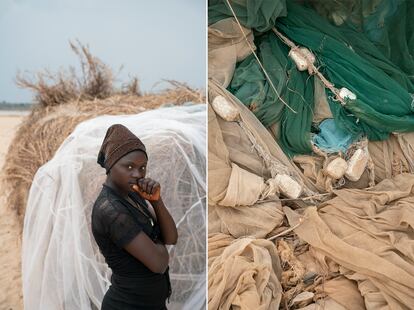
(64, 100)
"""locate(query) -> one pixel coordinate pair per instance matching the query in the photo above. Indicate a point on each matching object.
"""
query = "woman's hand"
(148, 189)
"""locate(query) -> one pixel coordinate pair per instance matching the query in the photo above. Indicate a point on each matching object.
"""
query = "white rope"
(313, 68)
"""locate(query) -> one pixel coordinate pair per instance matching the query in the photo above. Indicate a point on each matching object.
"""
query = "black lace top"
(115, 222)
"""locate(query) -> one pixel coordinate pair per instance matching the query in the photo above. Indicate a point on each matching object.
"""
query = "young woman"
(131, 233)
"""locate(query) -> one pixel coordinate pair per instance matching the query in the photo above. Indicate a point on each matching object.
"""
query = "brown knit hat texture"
(118, 142)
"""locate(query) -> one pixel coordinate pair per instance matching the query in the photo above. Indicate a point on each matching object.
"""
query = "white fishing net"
(62, 265)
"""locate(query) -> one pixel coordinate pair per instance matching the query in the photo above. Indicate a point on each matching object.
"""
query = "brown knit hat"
(118, 142)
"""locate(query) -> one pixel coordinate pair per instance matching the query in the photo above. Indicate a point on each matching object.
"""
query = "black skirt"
(149, 292)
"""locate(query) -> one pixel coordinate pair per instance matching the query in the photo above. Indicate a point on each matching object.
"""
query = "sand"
(10, 250)
(8, 125)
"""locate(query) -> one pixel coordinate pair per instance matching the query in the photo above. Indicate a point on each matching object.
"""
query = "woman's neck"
(108, 182)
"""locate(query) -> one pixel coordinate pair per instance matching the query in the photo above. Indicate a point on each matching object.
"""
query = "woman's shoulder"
(112, 218)
(107, 203)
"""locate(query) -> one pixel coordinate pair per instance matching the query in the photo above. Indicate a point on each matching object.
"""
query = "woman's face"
(128, 170)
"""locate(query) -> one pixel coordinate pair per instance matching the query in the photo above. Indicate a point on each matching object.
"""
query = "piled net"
(62, 265)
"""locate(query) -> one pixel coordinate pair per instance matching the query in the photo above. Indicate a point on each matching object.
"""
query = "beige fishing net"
(226, 46)
(246, 273)
(369, 233)
(349, 247)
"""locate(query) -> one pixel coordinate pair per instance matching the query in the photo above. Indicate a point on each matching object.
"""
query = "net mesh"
(356, 48)
(62, 265)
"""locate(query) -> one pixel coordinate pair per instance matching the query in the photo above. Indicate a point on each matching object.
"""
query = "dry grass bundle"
(63, 105)
(52, 89)
(95, 82)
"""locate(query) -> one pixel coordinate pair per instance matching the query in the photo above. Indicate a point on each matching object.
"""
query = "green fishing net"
(386, 23)
(294, 87)
(256, 14)
(365, 46)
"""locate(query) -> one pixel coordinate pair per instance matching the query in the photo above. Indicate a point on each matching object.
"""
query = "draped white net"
(62, 265)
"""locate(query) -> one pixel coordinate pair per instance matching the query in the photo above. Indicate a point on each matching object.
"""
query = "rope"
(313, 68)
(301, 220)
(272, 164)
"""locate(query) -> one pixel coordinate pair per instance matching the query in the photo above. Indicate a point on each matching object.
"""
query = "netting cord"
(313, 68)
(273, 165)
(301, 221)
(257, 58)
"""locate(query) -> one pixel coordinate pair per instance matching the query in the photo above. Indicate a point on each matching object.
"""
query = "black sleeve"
(119, 224)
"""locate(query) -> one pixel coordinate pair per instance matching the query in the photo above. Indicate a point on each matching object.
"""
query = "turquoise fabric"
(332, 138)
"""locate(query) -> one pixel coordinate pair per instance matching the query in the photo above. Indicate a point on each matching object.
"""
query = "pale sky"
(153, 40)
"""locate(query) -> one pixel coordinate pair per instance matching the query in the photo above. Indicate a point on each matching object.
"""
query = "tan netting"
(393, 156)
(353, 251)
(226, 46)
(370, 235)
(243, 273)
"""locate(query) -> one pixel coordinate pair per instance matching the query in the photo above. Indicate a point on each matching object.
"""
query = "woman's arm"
(166, 222)
(154, 256)
(151, 191)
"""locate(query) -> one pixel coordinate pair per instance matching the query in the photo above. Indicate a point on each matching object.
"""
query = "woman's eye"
(129, 167)
(143, 168)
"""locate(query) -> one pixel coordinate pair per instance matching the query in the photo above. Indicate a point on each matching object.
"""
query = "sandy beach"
(9, 121)
(10, 252)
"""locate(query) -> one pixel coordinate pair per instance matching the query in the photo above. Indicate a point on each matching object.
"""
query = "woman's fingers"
(155, 188)
(141, 185)
(145, 184)
(148, 185)
(148, 189)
